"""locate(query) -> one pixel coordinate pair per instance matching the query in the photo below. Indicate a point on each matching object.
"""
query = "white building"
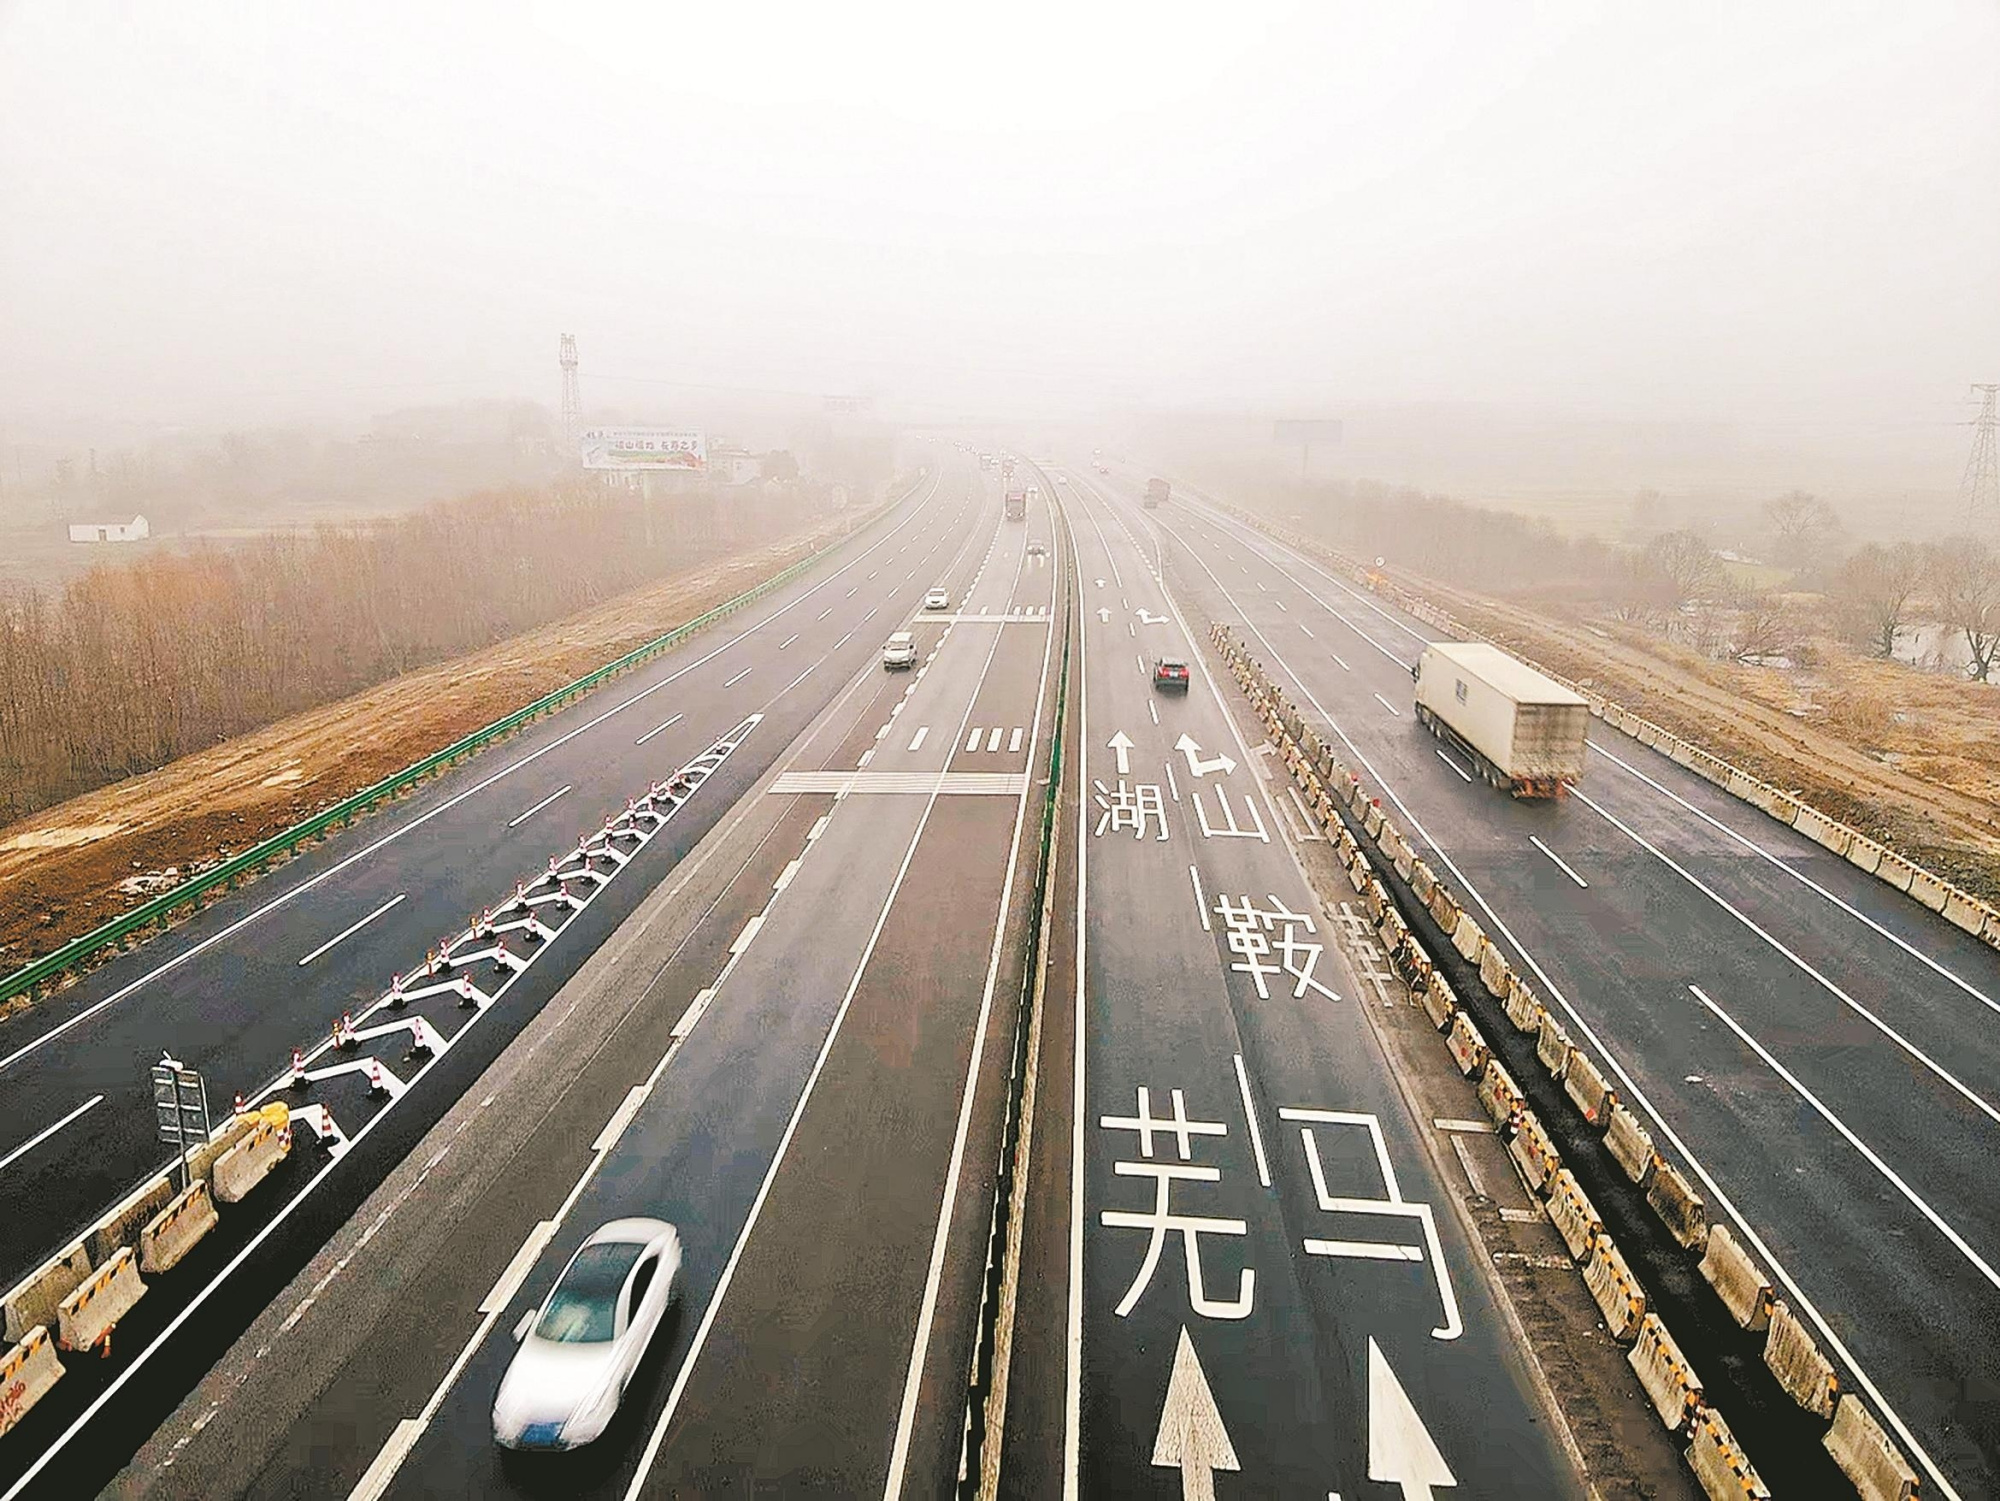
(134, 530)
(733, 465)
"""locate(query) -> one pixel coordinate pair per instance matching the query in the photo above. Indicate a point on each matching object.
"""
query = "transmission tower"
(572, 406)
(1980, 489)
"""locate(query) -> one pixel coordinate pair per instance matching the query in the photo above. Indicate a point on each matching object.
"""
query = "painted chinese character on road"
(1162, 1216)
(1257, 935)
(1134, 807)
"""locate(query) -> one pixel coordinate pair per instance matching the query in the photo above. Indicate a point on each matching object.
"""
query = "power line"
(1980, 488)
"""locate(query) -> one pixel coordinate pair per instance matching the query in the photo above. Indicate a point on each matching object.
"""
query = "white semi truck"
(1520, 729)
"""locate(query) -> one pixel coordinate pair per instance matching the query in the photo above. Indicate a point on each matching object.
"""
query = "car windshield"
(584, 1307)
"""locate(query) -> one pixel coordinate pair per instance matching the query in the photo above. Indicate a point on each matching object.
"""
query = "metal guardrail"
(120, 929)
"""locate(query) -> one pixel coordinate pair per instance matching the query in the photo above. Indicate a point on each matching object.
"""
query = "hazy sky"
(213, 211)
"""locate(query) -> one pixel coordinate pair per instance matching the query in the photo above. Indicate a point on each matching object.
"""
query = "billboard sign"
(645, 448)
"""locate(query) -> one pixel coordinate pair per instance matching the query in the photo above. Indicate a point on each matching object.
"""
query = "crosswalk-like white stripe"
(1014, 743)
(961, 783)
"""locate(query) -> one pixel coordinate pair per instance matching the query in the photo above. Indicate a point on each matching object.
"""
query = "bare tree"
(1801, 524)
(1873, 590)
(1684, 563)
(1763, 628)
(1965, 574)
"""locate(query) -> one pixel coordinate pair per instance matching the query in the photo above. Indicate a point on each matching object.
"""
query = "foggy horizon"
(250, 216)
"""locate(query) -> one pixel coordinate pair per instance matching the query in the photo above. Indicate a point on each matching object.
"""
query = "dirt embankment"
(61, 869)
(1940, 807)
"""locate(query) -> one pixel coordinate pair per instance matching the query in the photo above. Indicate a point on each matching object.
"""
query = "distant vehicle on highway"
(580, 1348)
(1157, 491)
(900, 650)
(1170, 674)
(1103, 468)
(1016, 505)
(1038, 549)
(1520, 729)
(937, 599)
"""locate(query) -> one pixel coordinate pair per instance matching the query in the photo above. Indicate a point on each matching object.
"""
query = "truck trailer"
(1520, 729)
(1017, 505)
(1157, 491)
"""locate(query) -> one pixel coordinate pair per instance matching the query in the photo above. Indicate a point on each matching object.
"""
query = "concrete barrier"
(1468, 938)
(1532, 1152)
(1895, 870)
(1357, 801)
(1494, 971)
(1357, 870)
(1552, 1045)
(1630, 1144)
(1928, 889)
(1499, 1096)
(1737, 1280)
(1573, 1215)
(1405, 861)
(1990, 934)
(1392, 930)
(1725, 1474)
(1682, 753)
(1865, 853)
(247, 1164)
(85, 1319)
(1468, 1048)
(1586, 1088)
(1372, 820)
(1423, 881)
(1679, 1207)
(1965, 912)
(1794, 1358)
(201, 1161)
(34, 1299)
(1671, 1384)
(1388, 840)
(121, 1226)
(1867, 1456)
(27, 1371)
(1619, 1297)
(177, 1229)
(1375, 897)
(1444, 911)
(1440, 1005)
(1523, 1010)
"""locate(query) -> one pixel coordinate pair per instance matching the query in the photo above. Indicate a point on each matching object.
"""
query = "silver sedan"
(580, 1348)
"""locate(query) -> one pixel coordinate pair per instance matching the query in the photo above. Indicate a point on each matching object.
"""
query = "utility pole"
(572, 406)
(1980, 489)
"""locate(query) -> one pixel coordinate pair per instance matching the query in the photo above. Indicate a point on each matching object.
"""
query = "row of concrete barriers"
(1855, 1439)
(1961, 908)
(92, 1283)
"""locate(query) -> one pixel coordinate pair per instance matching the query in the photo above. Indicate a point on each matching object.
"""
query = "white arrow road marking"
(1103, 613)
(1122, 744)
(1192, 1438)
(1400, 1450)
(1188, 746)
(1147, 618)
(1100, 583)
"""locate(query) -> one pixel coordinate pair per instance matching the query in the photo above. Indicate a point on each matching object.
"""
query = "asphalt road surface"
(1819, 1050)
(235, 989)
(1257, 1294)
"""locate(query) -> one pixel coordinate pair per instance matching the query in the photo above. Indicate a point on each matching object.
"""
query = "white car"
(580, 1348)
(937, 599)
(900, 650)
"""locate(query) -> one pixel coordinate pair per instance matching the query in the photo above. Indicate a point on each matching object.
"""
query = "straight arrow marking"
(1400, 1450)
(1122, 744)
(1192, 1438)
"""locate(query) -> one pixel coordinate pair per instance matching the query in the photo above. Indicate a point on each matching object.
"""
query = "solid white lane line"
(1561, 864)
(47, 1131)
(917, 740)
(1958, 1086)
(788, 641)
(1581, 1025)
(1389, 706)
(1463, 774)
(350, 932)
(522, 818)
(1250, 1116)
(732, 682)
(1874, 1159)
(658, 727)
(36, 1043)
(1807, 881)
(721, 1289)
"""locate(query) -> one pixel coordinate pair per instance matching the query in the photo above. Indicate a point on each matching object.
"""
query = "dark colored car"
(1170, 673)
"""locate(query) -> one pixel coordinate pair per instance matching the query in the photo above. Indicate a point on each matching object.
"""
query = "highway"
(805, 1088)
(1819, 1050)
(269, 969)
(1250, 1250)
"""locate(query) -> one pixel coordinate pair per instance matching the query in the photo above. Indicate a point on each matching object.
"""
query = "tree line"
(131, 665)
